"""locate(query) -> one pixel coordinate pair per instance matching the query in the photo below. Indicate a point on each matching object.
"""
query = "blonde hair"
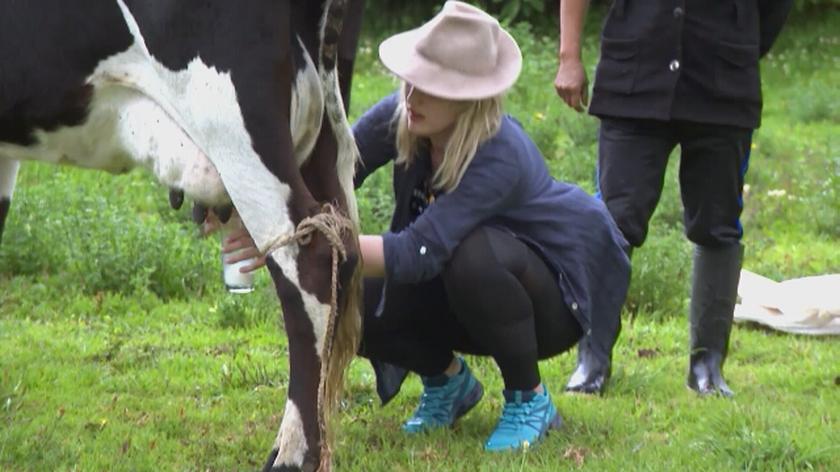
(479, 122)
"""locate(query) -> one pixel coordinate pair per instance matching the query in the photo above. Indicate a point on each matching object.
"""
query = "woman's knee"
(474, 263)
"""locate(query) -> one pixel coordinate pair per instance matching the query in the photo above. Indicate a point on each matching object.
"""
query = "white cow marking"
(290, 442)
(307, 110)
(124, 130)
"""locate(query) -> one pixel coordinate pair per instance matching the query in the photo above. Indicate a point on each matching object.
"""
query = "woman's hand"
(239, 246)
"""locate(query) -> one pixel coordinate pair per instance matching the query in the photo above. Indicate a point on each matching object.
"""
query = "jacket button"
(422, 250)
(674, 65)
(678, 13)
(574, 306)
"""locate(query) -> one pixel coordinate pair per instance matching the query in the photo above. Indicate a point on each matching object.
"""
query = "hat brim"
(399, 54)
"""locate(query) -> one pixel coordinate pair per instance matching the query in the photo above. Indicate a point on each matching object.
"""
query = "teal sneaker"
(444, 400)
(526, 418)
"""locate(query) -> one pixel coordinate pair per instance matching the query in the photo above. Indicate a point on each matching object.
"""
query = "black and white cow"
(224, 101)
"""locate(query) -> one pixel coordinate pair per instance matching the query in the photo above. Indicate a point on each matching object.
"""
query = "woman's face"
(429, 116)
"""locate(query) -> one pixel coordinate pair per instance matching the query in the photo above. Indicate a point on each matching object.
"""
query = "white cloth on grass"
(807, 305)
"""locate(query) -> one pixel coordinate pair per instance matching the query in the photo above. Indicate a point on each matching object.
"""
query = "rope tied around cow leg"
(332, 224)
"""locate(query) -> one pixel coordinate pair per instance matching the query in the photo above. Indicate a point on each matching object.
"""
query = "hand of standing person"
(570, 82)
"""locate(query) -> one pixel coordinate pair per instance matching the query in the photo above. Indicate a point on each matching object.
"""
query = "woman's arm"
(373, 255)
(242, 246)
(420, 251)
(489, 187)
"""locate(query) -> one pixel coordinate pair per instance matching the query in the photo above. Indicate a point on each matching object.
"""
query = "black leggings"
(495, 297)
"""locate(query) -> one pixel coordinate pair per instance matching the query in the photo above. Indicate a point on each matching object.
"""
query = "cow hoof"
(224, 212)
(269, 466)
(270, 461)
(199, 213)
(176, 198)
(286, 468)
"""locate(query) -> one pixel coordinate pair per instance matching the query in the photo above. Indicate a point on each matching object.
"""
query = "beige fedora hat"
(460, 54)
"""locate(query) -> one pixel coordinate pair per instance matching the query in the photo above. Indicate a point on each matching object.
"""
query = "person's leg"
(413, 329)
(389, 376)
(632, 158)
(510, 304)
(712, 168)
(511, 307)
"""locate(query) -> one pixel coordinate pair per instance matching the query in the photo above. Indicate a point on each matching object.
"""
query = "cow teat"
(176, 198)
(223, 212)
(199, 213)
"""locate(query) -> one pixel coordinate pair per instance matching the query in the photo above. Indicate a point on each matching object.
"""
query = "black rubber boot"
(714, 288)
(593, 368)
(594, 365)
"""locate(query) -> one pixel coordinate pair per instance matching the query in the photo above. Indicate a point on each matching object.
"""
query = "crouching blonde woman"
(487, 254)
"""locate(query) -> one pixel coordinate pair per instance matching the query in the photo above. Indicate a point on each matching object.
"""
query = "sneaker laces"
(434, 404)
(514, 416)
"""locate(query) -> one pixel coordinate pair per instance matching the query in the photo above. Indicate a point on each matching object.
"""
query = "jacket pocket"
(736, 72)
(616, 71)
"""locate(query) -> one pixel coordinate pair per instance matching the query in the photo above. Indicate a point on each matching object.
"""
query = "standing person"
(486, 254)
(679, 72)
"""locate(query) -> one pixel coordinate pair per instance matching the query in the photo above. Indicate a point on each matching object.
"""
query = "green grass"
(120, 350)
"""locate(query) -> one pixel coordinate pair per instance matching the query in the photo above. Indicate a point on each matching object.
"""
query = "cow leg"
(328, 177)
(272, 207)
(306, 323)
(296, 445)
(8, 174)
(307, 308)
